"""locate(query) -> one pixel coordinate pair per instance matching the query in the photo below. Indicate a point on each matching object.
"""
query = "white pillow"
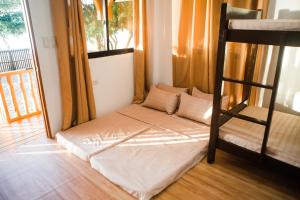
(210, 97)
(197, 109)
(161, 100)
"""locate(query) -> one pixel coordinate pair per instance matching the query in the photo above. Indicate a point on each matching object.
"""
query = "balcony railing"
(18, 89)
(15, 60)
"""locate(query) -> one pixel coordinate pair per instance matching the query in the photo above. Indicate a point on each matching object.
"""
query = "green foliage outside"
(122, 18)
(94, 28)
(11, 19)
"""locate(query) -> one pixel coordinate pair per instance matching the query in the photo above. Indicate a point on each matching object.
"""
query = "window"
(108, 26)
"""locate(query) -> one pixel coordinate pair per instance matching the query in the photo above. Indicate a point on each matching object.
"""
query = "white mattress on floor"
(97, 135)
(147, 163)
(165, 121)
(284, 138)
(140, 149)
(265, 24)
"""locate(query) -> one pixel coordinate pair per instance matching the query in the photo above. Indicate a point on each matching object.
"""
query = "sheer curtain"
(288, 95)
(196, 26)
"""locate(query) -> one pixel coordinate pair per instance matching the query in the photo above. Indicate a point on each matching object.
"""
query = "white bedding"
(165, 121)
(146, 164)
(140, 149)
(265, 24)
(284, 138)
(97, 135)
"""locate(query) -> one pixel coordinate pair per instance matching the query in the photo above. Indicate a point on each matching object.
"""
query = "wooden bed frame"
(219, 117)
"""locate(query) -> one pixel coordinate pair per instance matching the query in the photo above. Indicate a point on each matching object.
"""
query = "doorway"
(23, 114)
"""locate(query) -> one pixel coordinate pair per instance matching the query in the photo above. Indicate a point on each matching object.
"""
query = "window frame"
(108, 52)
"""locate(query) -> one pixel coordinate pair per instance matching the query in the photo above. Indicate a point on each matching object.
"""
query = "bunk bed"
(246, 130)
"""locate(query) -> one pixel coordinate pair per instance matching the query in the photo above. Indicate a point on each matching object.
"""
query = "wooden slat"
(9, 73)
(248, 83)
(13, 95)
(33, 93)
(236, 109)
(273, 96)
(24, 93)
(264, 37)
(244, 117)
(25, 116)
(4, 103)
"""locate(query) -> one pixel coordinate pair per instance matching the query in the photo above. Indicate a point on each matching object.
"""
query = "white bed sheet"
(265, 24)
(165, 121)
(97, 135)
(140, 149)
(149, 162)
(284, 138)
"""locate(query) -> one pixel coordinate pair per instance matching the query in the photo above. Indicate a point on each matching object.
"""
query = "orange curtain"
(75, 77)
(100, 9)
(236, 59)
(140, 51)
(195, 47)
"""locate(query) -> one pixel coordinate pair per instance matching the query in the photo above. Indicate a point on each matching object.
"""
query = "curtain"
(237, 58)
(75, 77)
(140, 51)
(288, 94)
(195, 47)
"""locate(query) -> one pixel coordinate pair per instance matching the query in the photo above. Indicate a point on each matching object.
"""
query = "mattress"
(165, 121)
(147, 163)
(284, 138)
(265, 24)
(140, 149)
(95, 136)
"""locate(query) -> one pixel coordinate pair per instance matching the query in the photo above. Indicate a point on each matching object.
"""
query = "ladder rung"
(244, 117)
(248, 83)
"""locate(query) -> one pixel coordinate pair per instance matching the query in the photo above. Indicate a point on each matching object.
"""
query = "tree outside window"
(118, 14)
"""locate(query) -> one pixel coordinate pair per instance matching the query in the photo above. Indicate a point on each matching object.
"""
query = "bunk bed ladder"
(214, 132)
(274, 94)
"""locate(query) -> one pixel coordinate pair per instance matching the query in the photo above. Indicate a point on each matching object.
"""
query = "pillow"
(210, 97)
(168, 88)
(161, 100)
(195, 108)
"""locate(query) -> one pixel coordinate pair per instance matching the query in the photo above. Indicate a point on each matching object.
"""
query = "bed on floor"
(284, 138)
(97, 135)
(140, 149)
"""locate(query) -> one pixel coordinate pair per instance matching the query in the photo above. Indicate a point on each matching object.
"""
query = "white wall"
(160, 40)
(42, 27)
(112, 76)
(113, 82)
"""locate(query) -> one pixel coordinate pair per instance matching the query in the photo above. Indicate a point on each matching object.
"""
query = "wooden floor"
(21, 131)
(41, 169)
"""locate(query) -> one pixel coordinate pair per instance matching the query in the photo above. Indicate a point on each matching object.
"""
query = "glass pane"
(120, 17)
(94, 22)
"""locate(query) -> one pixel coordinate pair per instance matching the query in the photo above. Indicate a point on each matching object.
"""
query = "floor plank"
(18, 132)
(42, 169)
